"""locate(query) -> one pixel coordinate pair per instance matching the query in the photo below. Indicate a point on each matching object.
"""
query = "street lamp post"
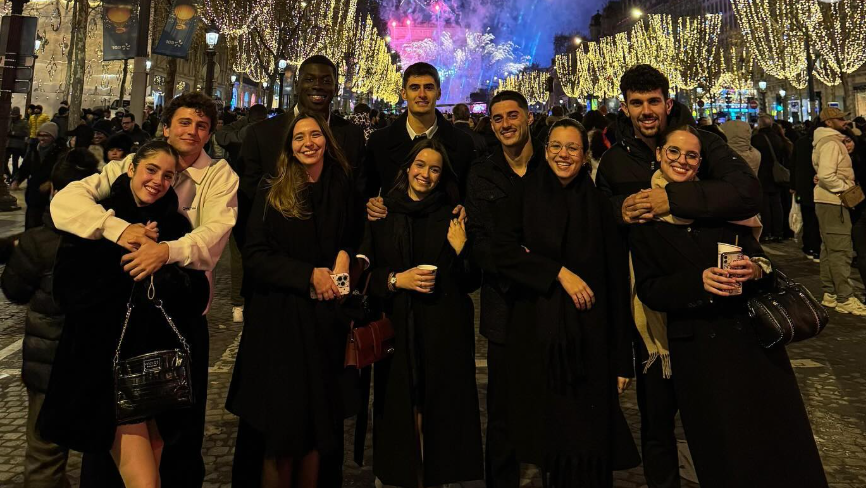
(282, 66)
(762, 86)
(212, 37)
(36, 47)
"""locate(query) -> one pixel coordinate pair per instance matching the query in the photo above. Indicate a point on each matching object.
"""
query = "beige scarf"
(652, 325)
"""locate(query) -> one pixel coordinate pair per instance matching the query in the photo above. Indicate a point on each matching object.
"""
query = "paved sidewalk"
(831, 370)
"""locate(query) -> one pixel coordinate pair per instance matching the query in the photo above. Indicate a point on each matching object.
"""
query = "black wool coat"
(91, 286)
(388, 148)
(566, 420)
(287, 378)
(491, 181)
(452, 426)
(740, 403)
(728, 189)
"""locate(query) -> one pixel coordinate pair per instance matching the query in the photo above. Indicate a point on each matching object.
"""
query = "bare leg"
(156, 442)
(133, 453)
(309, 470)
(277, 473)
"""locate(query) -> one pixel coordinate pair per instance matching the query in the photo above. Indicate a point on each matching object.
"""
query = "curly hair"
(643, 78)
(198, 101)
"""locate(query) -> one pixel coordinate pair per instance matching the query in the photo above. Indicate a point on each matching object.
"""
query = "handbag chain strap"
(151, 295)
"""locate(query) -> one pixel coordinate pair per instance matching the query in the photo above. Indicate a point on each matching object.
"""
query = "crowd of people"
(592, 238)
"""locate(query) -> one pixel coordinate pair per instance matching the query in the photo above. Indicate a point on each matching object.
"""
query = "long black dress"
(740, 404)
(433, 368)
(564, 410)
(286, 382)
(92, 288)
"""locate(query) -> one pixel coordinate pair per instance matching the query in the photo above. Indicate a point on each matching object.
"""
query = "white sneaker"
(852, 305)
(829, 300)
(238, 314)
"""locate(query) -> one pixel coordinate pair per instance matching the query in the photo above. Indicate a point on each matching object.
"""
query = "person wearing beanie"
(61, 118)
(102, 130)
(118, 147)
(36, 169)
(16, 143)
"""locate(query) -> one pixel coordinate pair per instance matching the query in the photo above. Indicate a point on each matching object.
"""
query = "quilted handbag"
(151, 383)
(789, 313)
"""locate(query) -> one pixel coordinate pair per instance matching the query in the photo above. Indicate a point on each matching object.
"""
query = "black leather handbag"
(151, 383)
(789, 313)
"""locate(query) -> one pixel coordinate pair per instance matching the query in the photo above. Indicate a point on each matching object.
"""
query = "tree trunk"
(123, 81)
(170, 78)
(82, 12)
(847, 93)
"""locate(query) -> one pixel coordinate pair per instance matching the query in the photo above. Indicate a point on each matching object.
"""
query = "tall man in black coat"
(727, 190)
(316, 85)
(803, 184)
(388, 148)
(491, 181)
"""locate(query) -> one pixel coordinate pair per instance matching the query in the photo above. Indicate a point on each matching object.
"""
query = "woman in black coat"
(427, 428)
(91, 286)
(739, 403)
(286, 381)
(569, 347)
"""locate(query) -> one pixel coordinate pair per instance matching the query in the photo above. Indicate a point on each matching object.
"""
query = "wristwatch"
(392, 282)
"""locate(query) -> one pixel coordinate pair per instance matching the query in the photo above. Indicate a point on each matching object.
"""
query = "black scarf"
(403, 210)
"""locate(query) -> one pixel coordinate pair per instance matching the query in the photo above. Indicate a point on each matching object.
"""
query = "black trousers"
(657, 402)
(811, 232)
(771, 214)
(501, 468)
(181, 464)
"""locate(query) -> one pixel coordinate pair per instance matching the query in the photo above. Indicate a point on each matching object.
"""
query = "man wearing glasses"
(726, 189)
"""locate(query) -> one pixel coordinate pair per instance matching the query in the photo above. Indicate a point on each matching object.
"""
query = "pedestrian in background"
(27, 279)
(858, 223)
(835, 171)
(36, 171)
(773, 151)
(803, 180)
(16, 144)
(739, 136)
(36, 120)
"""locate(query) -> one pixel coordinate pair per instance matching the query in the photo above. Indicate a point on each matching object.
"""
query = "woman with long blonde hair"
(286, 382)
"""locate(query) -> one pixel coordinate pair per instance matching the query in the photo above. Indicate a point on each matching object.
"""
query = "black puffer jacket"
(27, 278)
(727, 188)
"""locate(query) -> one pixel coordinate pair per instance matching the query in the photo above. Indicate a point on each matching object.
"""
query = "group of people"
(587, 283)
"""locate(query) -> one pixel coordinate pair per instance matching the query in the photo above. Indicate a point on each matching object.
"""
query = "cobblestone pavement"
(831, 370)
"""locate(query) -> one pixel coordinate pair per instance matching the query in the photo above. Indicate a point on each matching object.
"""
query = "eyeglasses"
(673, 153)
(573, 150)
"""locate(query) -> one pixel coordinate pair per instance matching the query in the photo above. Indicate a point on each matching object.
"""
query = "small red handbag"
(369, 343)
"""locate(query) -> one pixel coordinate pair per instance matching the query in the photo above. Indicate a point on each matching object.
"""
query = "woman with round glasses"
(568, 346)
(739, 403)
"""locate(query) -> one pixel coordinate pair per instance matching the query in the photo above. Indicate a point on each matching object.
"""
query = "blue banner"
(119, 29)
(176, 37)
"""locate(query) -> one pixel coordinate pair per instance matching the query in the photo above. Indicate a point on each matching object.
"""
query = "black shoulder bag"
(789, 313)
(151, 383)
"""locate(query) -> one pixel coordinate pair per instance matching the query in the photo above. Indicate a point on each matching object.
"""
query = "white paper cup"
(430, 267)
(727, 254)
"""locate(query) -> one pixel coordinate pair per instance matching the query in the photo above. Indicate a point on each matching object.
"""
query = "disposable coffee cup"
(429, 267)
(727, 254)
